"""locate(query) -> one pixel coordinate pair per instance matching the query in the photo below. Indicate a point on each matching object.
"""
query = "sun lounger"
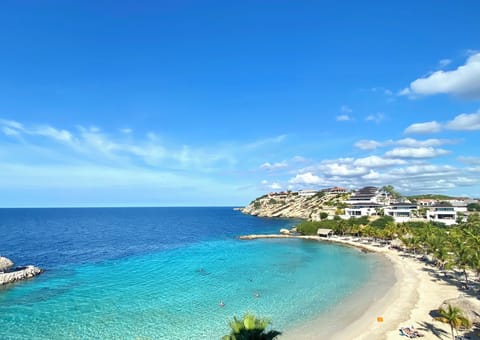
(410, 332)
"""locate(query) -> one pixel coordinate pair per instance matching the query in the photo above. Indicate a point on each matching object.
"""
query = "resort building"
(364, 195)
(445, 212)
(426, 202)
(307, 192)
(335, 190)
(363, 209)
(401, 212)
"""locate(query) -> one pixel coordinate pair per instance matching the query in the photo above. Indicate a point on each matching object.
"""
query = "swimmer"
(221, 304)
(256, 295)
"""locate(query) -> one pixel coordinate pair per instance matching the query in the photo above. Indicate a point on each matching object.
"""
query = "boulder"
(469, 307)
(284, 231)
(5, 264)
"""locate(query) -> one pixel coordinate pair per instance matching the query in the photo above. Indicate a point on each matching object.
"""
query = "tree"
(250, 328)
(389, 189)
(454, 317)
(473, 207)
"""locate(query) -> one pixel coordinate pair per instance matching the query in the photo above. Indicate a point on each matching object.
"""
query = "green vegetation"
(473, 207)
(250, 328)
(431, 196)
(257, 204)
(391, 191)
(272, 201)
(382, 222)
(323, 215)
(454, 317)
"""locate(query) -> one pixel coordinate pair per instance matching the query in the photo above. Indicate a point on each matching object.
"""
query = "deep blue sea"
(160, 273)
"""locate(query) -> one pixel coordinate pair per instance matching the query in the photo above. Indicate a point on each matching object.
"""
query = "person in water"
(221, 304)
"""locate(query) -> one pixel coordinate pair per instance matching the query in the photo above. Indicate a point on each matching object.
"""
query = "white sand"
(415, 294)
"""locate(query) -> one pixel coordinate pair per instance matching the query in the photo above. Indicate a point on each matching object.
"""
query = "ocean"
(161, 273)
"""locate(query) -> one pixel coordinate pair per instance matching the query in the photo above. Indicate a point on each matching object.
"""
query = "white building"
(445, 213)
(401, 212)
(363, 209)
(307, 192)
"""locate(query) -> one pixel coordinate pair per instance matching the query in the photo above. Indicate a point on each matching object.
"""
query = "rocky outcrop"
(293, 205)
(5, 264)
(15, 275)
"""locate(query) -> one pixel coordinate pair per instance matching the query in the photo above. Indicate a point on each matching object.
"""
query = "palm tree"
(250, 328)
(454, 317)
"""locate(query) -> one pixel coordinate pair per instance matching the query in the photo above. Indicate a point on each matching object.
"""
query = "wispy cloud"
(376, 118)
(343, 118)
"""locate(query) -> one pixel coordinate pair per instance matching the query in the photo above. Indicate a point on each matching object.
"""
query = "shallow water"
(161, 273)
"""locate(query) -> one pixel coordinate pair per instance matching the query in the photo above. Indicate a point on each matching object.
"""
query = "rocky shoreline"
(293, 205)
(23, 273)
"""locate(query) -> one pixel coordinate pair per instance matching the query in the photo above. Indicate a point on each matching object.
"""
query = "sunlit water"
(160, 273)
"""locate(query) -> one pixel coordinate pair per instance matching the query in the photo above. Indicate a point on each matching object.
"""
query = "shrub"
(382, 222)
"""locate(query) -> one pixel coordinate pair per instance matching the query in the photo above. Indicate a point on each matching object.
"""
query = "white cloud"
(369, 145)
(377, 117)
(365, 144)
(444, 63)
(270, 167)
(275, 186)
(411, 142)
(343, 118)
(465, 122)
(8, 131)
(371, 175)
(377, 162)
(345, 109)
(421, 128)
(421, 152)
(462, 122)
(305, 178)
(469, 160)
(48, 131)
(267, 141)
(463, 81)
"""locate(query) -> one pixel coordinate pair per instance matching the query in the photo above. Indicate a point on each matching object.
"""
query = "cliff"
(294, 205)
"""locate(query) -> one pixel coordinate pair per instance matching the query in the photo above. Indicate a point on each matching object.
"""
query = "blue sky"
(107, 103)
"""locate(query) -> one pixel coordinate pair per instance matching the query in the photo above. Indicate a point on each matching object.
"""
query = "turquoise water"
(175, 293)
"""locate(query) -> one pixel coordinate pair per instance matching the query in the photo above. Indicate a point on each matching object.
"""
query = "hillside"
(293, 205)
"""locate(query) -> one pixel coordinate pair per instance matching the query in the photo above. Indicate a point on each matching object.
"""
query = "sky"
(213, 103)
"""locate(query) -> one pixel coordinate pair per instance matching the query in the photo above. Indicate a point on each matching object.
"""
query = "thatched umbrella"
(5, 264)
(397, 243)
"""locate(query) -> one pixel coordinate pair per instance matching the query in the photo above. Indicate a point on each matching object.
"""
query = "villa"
(307, 192)
(445, 212)
(401, 212)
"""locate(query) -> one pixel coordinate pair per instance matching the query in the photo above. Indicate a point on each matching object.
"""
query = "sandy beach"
(416, 292)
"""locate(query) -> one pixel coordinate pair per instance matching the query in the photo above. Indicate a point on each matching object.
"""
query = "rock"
(5, 264)
(292, 205)
(284, 231)
(469, 307)
(18, 275)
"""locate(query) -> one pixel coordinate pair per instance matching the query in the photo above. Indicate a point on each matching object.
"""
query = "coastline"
(415, 293)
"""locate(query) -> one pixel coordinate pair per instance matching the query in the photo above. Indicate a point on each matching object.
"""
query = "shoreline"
(415, 293)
